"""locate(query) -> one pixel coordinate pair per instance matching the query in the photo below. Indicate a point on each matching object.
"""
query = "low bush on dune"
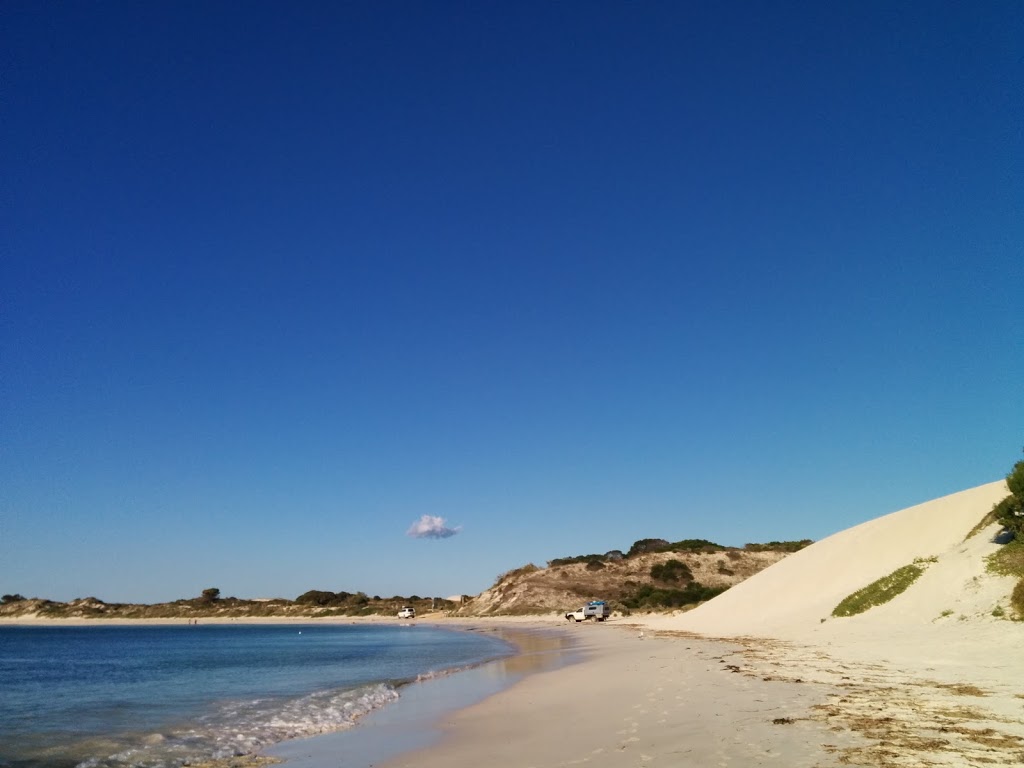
(779, 546)
(1009, 560)
(672, 571)
(881, 591)
(1017, 599)
(650, 597)
(1010, 511)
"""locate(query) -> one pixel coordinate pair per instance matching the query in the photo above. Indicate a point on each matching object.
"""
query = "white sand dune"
(931, 678)
(790, 599)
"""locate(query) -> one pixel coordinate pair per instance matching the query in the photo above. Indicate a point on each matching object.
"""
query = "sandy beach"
(764, 676)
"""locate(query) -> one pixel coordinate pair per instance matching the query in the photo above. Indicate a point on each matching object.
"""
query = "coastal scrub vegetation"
(312, 603)
(673, 571)
(779, 546)
(653, 546)
(881, 591)
(648, 596)
(1009, 512)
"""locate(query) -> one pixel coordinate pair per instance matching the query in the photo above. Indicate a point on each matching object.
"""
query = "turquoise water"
(156, 697)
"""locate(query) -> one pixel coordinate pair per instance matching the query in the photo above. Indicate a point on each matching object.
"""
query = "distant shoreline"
(432, 619)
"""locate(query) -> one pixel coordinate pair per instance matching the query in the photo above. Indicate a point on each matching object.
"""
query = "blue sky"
(278, 280)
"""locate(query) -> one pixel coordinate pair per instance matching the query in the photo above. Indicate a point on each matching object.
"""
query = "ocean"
(163, 696)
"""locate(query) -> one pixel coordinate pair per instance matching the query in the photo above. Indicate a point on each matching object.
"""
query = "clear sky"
(280, 279)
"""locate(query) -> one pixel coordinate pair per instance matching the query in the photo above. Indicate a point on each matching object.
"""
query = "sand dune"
(931, 678)
(790, 599)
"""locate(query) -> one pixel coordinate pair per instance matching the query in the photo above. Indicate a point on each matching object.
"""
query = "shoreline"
(641, 697)
(643, 690)
(414, 721)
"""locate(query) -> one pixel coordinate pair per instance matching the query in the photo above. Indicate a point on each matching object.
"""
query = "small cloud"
(431, 527)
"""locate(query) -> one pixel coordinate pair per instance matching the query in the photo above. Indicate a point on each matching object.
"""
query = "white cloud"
(431, 527)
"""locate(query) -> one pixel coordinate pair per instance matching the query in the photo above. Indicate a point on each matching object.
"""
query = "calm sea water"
(156, 697)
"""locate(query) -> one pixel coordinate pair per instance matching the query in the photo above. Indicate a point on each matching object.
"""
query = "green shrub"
(1010, 511)
(881, 591)
(673, 571)
(1010, 514)
(577, 559)
(1017, 598)
(651, 597)
(320, 597)
(645, 546)
(695, 545)
(595, 565)
(779, 546)
(1008, 560)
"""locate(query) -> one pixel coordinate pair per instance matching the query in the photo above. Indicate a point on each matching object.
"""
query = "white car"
(407, 613)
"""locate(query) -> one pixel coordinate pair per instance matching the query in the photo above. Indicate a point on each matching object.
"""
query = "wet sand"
(412, 723)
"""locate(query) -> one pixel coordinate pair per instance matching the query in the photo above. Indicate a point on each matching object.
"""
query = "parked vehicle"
(597, 610)
(407, 613)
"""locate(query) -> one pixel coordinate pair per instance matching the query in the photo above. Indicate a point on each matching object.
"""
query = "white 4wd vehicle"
(407, 613)
(596, 609)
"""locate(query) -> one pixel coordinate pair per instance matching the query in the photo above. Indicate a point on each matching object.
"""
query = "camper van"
(597, 610)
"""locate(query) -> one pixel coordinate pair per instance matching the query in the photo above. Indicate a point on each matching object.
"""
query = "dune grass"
(1008, 560)
(881, 591)
(985, 522)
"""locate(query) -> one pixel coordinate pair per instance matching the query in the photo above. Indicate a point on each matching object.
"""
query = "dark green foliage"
(671, 571)
(322, 598)
(695, 545)
(12, 599)
(650, 596)
(1015, 480)
(595, 565)
(1010, 511)
(613, 554)
(211, 594)
(779, 546)
(577, 559)
(643, 546)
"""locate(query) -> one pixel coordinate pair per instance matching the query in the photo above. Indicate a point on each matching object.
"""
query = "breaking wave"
(243, 727)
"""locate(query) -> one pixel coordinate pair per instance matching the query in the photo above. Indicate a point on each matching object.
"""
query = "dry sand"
(764, 676)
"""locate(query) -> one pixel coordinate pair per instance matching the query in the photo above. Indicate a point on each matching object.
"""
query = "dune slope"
(790, 599)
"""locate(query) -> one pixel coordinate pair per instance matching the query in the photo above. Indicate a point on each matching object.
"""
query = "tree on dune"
(1010, 511)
